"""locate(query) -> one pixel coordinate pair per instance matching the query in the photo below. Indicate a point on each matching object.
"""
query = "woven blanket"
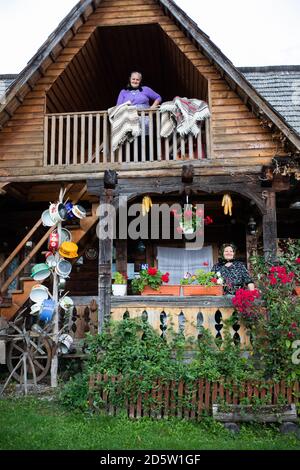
(182, 114)
(125, 124)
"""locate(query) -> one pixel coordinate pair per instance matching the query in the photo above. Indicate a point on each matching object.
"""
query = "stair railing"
(17, 250)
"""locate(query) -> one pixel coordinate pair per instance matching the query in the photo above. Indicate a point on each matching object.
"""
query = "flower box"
(202, 290)
(163, 290)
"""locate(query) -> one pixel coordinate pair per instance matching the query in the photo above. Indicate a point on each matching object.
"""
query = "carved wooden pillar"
(269, 225)
(105, 251)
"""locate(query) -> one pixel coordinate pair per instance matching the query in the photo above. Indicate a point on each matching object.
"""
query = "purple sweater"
(138, 98)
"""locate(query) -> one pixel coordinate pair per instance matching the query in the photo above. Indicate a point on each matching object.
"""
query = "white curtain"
(178, 261)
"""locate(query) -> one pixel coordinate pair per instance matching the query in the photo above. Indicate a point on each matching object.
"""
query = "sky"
(249, 33)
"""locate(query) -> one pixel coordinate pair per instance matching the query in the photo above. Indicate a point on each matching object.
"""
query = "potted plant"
(150, 282)
(120, 284)
(191, 219)
(202, 283)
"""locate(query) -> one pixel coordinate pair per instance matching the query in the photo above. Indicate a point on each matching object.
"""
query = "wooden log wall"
(194, 400)
(235, 131)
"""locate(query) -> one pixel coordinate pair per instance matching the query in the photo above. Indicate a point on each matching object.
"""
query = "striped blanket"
(125, 124)
(183, 115)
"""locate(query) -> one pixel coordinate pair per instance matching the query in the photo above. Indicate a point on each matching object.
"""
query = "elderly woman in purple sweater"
(138, 95)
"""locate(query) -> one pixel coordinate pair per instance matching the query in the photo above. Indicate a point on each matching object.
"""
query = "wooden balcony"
(85, 138)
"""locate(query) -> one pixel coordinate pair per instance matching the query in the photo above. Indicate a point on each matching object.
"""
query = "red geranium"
(244, 303)
(152, 271)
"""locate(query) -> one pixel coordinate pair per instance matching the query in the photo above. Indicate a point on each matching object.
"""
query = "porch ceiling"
(100, 70)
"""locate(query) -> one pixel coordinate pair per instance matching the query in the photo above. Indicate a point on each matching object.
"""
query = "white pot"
(119, 289)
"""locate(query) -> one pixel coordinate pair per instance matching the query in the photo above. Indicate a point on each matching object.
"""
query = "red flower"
(294, 325)
(214, 279)
(165, 277)
(297, 260)
(290, 335)
(205, 263)
(152, 271)
(208, 220)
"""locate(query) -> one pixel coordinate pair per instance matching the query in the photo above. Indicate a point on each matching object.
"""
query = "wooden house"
(55, 131)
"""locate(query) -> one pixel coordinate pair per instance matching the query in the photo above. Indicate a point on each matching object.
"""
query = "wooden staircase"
(19, 297)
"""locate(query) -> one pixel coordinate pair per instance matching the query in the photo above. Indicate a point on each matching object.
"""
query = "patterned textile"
(182, 114)
(125, 124)
(235, 276)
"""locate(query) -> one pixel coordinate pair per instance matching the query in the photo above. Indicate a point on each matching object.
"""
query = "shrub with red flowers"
(274, 333)
(151, 277)
(244, 303)
(191, 219)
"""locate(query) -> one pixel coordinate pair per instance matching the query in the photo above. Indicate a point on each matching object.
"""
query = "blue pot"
(47, 310)
(69, 207)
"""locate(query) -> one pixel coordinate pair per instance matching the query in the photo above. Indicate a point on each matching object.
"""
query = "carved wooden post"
(270, 225)
(105, 251)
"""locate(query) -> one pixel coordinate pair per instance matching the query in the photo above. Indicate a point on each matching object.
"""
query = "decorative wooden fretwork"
(236, 326)
(218, 325)
(163, 324)
(181, 323)
(87, 318)
(200, 327)
(145, 316)
(126, 315)
(73, 320)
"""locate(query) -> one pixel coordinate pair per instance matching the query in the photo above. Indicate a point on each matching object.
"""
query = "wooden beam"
(270, 226)
(104, 267)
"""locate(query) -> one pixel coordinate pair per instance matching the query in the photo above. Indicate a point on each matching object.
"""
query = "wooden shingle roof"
(5, 82)
(280, 86)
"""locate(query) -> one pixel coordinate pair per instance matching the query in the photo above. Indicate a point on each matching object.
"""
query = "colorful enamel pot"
(46, 219)
(39, 293)
(40, 272)
(50, 259)
(69, 207)
(68, 250)
(53, 243)
(79, 211)
(63, 268)
(47, 310)
(64, 343)
(58, 212)
(66, 303)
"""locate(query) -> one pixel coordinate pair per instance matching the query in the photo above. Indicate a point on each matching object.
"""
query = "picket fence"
(191, 401)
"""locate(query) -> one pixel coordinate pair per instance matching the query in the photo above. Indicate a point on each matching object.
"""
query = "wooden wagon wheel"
(37, 350)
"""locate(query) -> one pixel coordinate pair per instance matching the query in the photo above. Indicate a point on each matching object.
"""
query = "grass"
(35, 424)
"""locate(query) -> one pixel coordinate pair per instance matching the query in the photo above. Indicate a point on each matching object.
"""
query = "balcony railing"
(85, 138)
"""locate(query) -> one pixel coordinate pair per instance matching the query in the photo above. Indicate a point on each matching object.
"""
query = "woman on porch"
(137, 94)
(234, 273)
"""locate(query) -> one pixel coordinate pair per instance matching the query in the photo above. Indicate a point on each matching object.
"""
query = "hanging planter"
(191, 219)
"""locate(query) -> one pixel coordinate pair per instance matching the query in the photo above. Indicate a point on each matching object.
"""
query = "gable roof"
(280, 85)
(52, 47)
(5, 82)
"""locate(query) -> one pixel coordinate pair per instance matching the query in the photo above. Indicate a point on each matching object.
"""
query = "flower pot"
(163, 290)
(297, 290)
(119, 289)
(202, 290)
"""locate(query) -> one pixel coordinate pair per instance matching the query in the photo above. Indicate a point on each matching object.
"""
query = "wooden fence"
(191, 401)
